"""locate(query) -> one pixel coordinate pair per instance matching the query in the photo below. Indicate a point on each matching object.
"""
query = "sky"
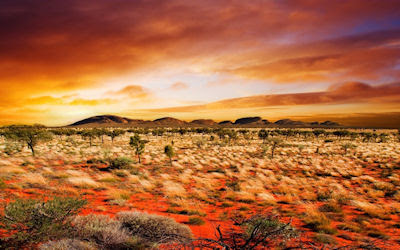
(310, 60)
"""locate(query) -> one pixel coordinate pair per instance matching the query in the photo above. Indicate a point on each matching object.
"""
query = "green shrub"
(169, 151)
(31, 221)
(120, 163)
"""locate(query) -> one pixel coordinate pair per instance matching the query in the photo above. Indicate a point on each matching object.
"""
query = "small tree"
(115, 133)
(138, 145)
(31, 135)
(318, 132)
(89, 133)
(275, 142)
(100, 132)
(341, 133)
(169, 151)
(232, 134)
(263, 134)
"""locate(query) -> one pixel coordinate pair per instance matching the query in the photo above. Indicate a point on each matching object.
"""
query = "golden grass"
(83, 182)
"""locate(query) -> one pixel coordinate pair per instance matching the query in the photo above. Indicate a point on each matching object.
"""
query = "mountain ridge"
(256, 121)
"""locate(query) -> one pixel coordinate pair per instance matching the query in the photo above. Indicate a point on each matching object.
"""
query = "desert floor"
(335, 198)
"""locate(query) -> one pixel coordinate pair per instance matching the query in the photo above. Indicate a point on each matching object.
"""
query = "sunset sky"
(65, 60)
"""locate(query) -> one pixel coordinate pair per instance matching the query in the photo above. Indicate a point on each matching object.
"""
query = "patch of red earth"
(147, 202)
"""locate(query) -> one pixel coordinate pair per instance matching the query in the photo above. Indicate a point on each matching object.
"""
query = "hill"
(118, 121)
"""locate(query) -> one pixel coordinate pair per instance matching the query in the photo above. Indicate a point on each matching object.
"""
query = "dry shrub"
(68, 244)
(101, 229)
(154, 228)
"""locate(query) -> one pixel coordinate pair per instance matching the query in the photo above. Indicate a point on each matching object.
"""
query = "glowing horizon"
(300, 59)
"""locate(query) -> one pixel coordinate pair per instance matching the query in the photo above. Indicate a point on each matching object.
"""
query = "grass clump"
(318, 222)
(375, 233)
(331, 207)
(196, 221)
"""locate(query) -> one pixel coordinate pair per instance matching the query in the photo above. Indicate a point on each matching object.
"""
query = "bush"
(120, 163)
(256, 232)
(103, 230)
(32, 221)
(67, 244)
(154, 229)
(265, 226)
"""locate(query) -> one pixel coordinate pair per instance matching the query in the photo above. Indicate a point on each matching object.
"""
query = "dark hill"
(225, 123)
(251, 121)
(203, 122)
(329, 123)
(169, 121)
(288, 122)
(101, 119)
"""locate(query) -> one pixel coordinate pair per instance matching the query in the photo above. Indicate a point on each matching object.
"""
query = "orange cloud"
(132, 91)
(77, 49)
(373, 56)
(351, 92)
